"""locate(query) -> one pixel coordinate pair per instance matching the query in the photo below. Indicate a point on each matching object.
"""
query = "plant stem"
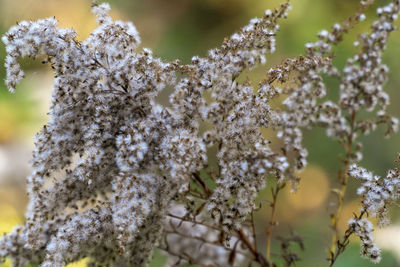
(343, 179)
(272, 221)
(342, 245)
(258, 256)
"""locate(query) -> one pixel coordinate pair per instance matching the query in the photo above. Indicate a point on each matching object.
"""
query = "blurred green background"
(184, 28)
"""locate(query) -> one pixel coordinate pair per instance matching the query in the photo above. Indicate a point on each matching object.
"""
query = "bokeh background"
(181, 29)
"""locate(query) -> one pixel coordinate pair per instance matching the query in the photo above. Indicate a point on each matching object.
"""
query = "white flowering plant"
(116, 174)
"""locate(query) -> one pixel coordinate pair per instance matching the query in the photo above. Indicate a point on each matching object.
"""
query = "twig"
(342, 245)
(343, 178)
(272, 221)
(258, 256)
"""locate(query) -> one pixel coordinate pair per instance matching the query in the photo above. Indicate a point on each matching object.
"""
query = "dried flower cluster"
(377, 194)
(363, 229)
(116, 174)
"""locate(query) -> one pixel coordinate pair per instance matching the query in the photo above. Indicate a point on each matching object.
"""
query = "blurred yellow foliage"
(9, 218)
(313, 191)
(8, 122)
(80, 263)
(71, 13)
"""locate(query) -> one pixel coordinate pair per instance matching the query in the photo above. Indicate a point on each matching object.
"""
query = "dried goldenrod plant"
(116, 174)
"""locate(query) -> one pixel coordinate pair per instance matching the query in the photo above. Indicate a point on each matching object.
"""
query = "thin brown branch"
(341, 245)
(343, 179)
(259, 258)
(204, 186)
(272, 221)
